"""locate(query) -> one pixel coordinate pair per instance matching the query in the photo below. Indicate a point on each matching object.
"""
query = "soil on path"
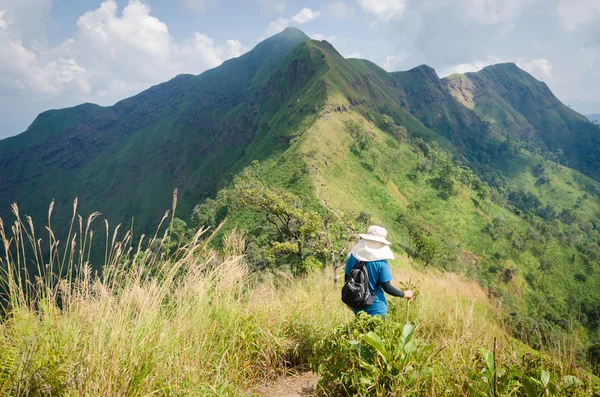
(301, 385)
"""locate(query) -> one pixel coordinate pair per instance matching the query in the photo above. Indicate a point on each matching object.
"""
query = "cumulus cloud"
(275, 27)
(3, 23)
(279, 24)
(26, 69)
(112, 54)
(27, 19)
(319, 36)
(305, 15)
(204, 51)
(474, 66)
(383, 10)
(340, 9)
(355, 54)
(539, 68)
(391, 62)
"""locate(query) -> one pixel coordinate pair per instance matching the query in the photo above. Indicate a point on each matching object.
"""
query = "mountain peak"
(291, 33)
(509, 70)
(507, 67)
(426, 71)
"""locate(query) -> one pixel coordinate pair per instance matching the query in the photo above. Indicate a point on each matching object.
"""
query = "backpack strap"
(360, 264)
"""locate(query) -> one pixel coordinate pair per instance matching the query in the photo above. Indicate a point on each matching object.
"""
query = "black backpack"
(356, 292)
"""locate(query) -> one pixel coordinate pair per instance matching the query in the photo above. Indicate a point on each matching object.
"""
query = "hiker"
(374, 250)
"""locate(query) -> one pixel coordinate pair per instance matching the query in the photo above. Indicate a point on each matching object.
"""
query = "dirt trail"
(301, 385)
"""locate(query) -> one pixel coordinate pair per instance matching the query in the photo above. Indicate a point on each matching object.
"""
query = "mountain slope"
(520, 107)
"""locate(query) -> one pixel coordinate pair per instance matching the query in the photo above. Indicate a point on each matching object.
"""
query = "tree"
(375, 158)
(387, 122)
(299, 230)
(400, 133)
(339, 232)
(363, 139)
(210, 213)
(177, 235)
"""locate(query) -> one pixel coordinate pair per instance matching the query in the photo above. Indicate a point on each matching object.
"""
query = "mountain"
(190, 132)
(518, 106)
(487, 174)
(593, 117)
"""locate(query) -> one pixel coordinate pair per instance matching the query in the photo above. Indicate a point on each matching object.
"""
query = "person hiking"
(374, 250)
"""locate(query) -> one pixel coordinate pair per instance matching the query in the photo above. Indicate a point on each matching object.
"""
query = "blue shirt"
(379, 272)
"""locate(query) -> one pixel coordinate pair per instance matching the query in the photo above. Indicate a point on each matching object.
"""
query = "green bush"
(371, 356)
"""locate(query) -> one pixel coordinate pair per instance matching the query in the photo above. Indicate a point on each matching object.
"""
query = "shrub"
(370, 356)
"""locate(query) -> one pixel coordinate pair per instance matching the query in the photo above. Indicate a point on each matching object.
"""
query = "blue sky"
(57, 53)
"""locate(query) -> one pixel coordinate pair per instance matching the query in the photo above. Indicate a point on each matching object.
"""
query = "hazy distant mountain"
(593, 117)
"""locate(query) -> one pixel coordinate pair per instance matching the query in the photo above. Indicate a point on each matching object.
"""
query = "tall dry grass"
(192, 322)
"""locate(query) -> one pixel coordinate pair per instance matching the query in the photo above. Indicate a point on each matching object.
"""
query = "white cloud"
(391, 62)
(203, 50)
(340, 9)
(575, 14)
(3, 23)
(24, 69)
(26, 19)
(134, 34)
(539, 68)
(384, 10)
(276, 26)
(355, 54)
(474, 66)
(111, 55)
(305, 15)
(320, 37)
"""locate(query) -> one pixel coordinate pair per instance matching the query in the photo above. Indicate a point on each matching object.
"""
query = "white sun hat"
(373, 245)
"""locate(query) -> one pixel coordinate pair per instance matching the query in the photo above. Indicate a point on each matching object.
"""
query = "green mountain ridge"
(518, 106)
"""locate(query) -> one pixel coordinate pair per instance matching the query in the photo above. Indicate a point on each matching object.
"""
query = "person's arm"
(390, 289)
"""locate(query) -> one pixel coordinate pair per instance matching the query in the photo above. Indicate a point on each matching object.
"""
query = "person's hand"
(408, 294)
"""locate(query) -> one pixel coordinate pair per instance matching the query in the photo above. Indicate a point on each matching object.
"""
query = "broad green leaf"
(366, 380)
(366, 354)
(375, 341)
(569, 381)
(410, 347)
(354, 343)
(407, 333)
(489, 358)
(545, 378)
(369, 367)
